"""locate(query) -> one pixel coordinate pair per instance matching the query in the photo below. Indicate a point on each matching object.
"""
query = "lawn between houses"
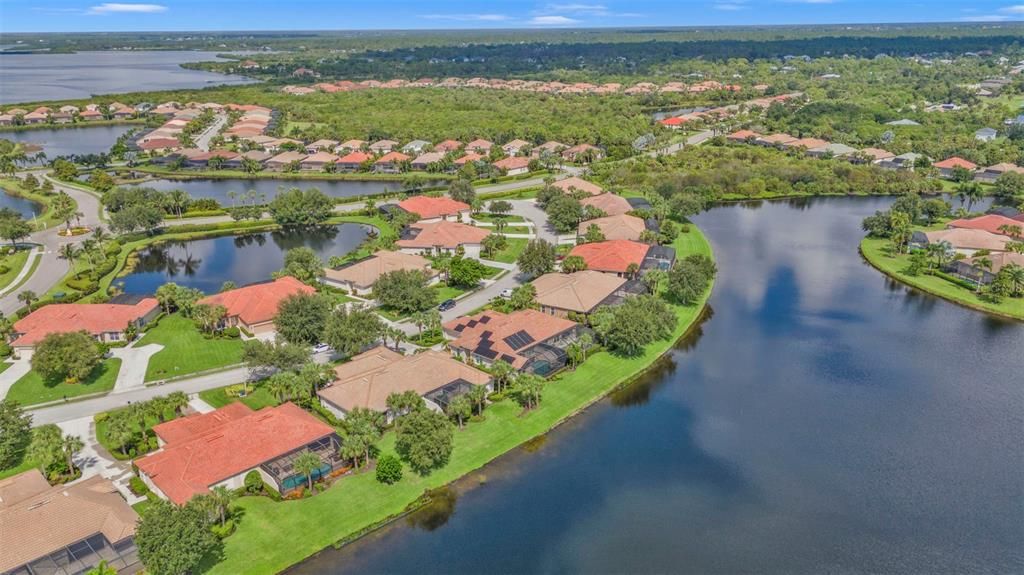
(358, 502)
(31, 389)
(186, 350)
(894, 266)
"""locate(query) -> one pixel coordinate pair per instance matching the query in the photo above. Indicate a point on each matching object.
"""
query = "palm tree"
(177, 401)
(631, 270)
(100, 235)
(70, 445)
(177, 201)
(478, 395)
(1015, 273)
(27, 297)
(502, 372)
(983, 263)
(220, 499)
(102, 568)
(306, 463)
(419, 319)
(69, 252)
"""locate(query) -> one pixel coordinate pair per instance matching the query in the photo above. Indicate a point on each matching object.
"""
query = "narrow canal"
(822, 419)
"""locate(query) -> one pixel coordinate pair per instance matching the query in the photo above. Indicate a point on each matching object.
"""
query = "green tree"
(101, 181)
(537, 258)
(173, 540)
(102, 568)
(500, 207)
(389, 469)
(351, 330)
(523, 297)
(639, 320)
(492, 244)
(361, 430)
(900, 230)
(466, 272)
(71, 445)
(15, 432)
(1010, 185)
(462, 191)
(307, 463)
(687, 281)
(477, 396)
(208, 317)
(593, 234)
(264, 357)
(425, 440)
(301, 318)
(404, 291)
(69, 357)
(13, 227)
(402, 404)
(47, 448)
(502, 372)
(64, 209)
(28, 297)
(296, 207)
(572, 264)
(527, 390)
(564, 213)
(302, 264)
(460, 409)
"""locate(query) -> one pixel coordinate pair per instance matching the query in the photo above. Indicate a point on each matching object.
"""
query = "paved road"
(202, 141)
(696, 139)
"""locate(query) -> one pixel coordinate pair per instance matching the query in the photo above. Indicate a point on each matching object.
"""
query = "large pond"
(39, 77)
(27, 208)
(70, 141)
(823, 419)
(206, 264)
(220, 190)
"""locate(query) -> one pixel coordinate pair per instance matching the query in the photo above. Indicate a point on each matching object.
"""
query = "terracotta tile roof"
(186, 428)
(159, 144)
(352, 144)
(1000, 260)
(370, 377)
(485, 333)
(356, 157)
(620, 227)
(94, 318)
(579, 184)
(429, 207)
(969, 239)
(776, 139)
(612, 255)
(287, 158)
(989, 222)
(428, 158)
(257, 303)
(392, 157)
(364, 273)
(445, 234)
(480, 144)
(743, 135)
(448, 146)
(1005, 167)
(808, 143)
(956, 162)
(610, 204)
(188, 468)
(877, 153)
(580, 292)
(43, 519)
(512, 163)
(469, 157)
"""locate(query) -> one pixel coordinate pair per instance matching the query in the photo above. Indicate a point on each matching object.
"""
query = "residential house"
(832, 151)
(390, 163)
(159, 145)
(282, 161)
(358, 277)
(317, 161)
(582, 292)
(620, 256)
(203, 159)
(254, 307)
(774, 140)
(583, 153)
(428, 160)
(872, 155)
(962, 240)
(574, 184)
(448, 146)
(351, 146)
(549, 148)
(468, 158)
(619, 227)
(992, 223)
(743, 136)
(902, 122)
(804, 144)
(513, 165)
(64, 529)
(985, 134)
(969, 268)
(220, 448)
(6, 120)
(257, 156)
(901, 162)
(415, 147)
(610, 204)
(992, 173)
(528, 340)
(35, 117)
(107, 322)
(442, 237)
(432, 209)
(480, 146)
(321, 146)
(514, 147)
(383, 146)
(366, 380)
(90, 115)
(947, 168)
(353, 161)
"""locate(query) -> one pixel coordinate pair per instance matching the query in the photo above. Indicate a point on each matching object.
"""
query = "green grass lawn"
(186, 350)
(874, 251)
(258, 397)
(447, 292)
(13, 262)
(102, 423)
(31, 389)
(491, 218)
(511, 251)
(22, 466)
(356, 502)
(4, 366)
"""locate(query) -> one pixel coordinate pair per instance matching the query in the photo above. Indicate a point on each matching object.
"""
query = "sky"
(195, 15)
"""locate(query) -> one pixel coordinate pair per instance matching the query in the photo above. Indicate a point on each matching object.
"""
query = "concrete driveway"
(134, 361)
(18, 369)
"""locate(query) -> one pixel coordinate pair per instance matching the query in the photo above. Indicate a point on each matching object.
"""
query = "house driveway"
(19, 367)
(134, 361)
(94, 459)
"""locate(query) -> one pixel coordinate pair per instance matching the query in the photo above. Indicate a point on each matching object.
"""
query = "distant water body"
(38, 77)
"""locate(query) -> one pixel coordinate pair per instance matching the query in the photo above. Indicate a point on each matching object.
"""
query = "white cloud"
(729, 6)
(986, 18)
(552, 21)
(469, 17)
(1016, 9)
(589, 9)
(115, 8)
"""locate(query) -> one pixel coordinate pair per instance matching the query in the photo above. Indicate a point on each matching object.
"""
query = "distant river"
(39, 77)
(822, 419)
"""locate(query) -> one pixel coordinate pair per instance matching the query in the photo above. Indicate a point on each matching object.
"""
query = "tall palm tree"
(1016, 275)
(70, 445)
(983, 263)
(221, 498)
(306, 463)
(27, 297)
(177, 401)
(100, 235)
(69, 252)
(502, 373)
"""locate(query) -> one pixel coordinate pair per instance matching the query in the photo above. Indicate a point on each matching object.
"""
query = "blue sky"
(90, 15)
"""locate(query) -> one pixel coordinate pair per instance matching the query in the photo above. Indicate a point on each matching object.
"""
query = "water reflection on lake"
(206, 264)
(27, 208)
(70, 141)
(266, 189)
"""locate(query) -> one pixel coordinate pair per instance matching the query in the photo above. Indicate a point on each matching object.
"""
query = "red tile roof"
(257, 303)
(956, 162)
(393, 157)
(512, 163)
(186, 428)
(185, 468)
(159, 144)
(612, 255)
(428, 207)
(743, 135)
(494, 327)
(355, 158)
(445, 234)
(469, 157)
(610, 204)
(448, 146)
(94, 318)
(990, 223)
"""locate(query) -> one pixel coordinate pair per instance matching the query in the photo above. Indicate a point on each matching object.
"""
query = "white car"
(506, 293)
(321, 348)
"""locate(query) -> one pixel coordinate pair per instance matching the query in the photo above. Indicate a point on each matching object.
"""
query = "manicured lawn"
(186, 350)
(874, 251)
(258, 397)
(358, 501)
(511, 251)
(491, 218)
(24, 465)
(447, 292)
(13, 262)
(31, 388)
(4, 366)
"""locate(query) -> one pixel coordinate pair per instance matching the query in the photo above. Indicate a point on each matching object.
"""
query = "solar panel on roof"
(486, 334)
(507, 358)
(472, 323)
(485, 319)
(519, 340)
(459, 328)
(488, 353)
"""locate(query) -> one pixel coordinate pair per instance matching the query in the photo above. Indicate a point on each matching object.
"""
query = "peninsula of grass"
(876, 251)
(257, 398)
(509, 254)
(186, 350)
(15, 187)
(359, 502)
(32, 389)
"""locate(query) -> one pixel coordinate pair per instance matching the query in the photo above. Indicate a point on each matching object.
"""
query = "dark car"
(446, 305)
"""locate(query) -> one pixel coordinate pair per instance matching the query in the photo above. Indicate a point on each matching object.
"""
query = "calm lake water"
(219, 189)
(26, 208)
(70, 141)
(821, 420)
(207, 264)
(38, 77)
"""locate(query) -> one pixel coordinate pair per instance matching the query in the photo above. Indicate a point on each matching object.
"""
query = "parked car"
(506, 293)
(446, 305)
(321, 348)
